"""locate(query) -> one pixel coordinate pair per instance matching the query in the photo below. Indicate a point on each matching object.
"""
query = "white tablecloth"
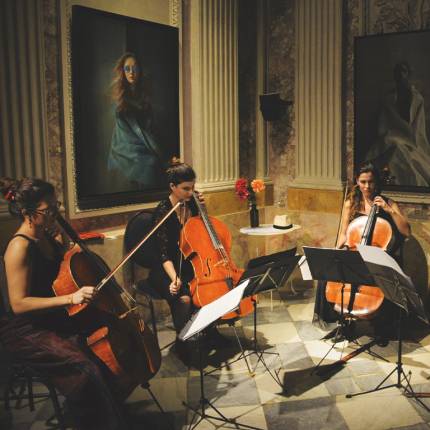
(267, 230)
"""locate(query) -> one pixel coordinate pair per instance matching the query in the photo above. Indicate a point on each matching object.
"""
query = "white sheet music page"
(373, 254)
(214, 310)
(304, 268)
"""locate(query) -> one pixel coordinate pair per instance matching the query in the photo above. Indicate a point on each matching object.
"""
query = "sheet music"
(375, 255)
(304, 268)
(214, 310)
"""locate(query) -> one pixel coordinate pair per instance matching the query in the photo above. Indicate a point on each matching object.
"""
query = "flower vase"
(253, 216)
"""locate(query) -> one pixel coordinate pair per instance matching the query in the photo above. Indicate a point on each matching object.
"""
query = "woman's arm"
(393, 209)
(18, 275)
(341, 240)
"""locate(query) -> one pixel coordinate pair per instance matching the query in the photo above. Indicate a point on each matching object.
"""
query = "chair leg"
(30, 392)
(56, 404)
(7, 390)
(154, 323)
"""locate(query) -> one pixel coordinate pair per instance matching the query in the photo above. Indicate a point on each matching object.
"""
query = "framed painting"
(392, 108)
(125, 119)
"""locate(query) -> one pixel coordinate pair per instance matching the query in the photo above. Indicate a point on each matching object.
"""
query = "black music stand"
(399, 289)
(375, 267)
(268, 273)
(345, 267)
(263, 274)
(199, 321)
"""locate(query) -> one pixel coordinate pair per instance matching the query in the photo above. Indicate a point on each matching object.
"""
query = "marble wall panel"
(247, 87)
(281, 70)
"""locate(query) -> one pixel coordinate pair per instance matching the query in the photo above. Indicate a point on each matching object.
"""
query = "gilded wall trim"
(162, 11)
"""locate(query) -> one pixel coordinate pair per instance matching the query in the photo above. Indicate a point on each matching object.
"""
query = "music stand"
(207, 315)
(263, 274)
(267, 273)
(345, 267)
(379, 269)
(399, 289)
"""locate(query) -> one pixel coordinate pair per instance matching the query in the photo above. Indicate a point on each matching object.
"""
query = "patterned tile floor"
(308, 401)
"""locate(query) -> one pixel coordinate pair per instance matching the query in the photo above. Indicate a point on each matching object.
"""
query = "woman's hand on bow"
(83, 295)
(175, 286)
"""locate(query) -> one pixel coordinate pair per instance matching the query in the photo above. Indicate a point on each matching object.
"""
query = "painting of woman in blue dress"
(134, 153)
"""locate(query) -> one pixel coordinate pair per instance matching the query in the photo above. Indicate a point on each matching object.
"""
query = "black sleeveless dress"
(49, 343)
(324, 315)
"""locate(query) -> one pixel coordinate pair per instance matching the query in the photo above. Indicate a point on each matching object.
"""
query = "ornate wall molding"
(175, 13)
(318, 94)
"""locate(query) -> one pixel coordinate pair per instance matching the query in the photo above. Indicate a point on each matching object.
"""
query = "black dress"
(324, 314)
(49, 343)
(167, 248)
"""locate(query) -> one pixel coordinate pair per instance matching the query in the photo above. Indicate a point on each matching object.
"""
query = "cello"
(362, 301)
(114, 331)
(206, 242)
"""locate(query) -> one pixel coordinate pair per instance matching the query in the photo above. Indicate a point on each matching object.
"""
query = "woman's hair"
(179, 172)
(25, 195)
(355, 195)
(122, 91)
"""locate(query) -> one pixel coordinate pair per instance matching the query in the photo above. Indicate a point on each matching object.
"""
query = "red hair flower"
(10, 196)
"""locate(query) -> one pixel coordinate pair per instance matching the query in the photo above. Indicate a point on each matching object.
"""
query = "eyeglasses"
(130, 69)
(50, 210)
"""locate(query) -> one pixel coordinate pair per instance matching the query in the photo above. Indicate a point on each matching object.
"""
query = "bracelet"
(70, 299)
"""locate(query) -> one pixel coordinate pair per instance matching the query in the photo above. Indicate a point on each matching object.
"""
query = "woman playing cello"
(171, 274)
(37, 330)
(365, 194)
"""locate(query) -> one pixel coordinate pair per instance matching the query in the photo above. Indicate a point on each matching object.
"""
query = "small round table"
(268, 230)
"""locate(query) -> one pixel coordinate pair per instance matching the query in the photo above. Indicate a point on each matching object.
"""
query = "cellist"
(171, 273)
(365, 193)
(37, 329)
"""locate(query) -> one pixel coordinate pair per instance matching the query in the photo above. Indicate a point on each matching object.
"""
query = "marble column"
(214, 93)
(318, 94)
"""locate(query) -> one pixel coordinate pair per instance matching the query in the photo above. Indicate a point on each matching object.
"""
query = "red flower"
(241, 188)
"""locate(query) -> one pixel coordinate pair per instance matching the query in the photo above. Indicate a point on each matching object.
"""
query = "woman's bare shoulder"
(17, 249)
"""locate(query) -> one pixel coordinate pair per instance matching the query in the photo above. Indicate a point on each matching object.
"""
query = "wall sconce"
(273, 107)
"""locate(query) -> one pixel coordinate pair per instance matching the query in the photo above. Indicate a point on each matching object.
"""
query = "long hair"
(355, 196)
(179, 172)
(25, 195)
(123, 94)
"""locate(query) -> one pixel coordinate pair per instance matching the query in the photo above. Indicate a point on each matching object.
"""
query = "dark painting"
(125, 90)
(392, 108)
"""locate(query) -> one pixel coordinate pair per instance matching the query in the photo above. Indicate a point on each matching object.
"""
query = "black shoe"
(214, 338)
(181, 350)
